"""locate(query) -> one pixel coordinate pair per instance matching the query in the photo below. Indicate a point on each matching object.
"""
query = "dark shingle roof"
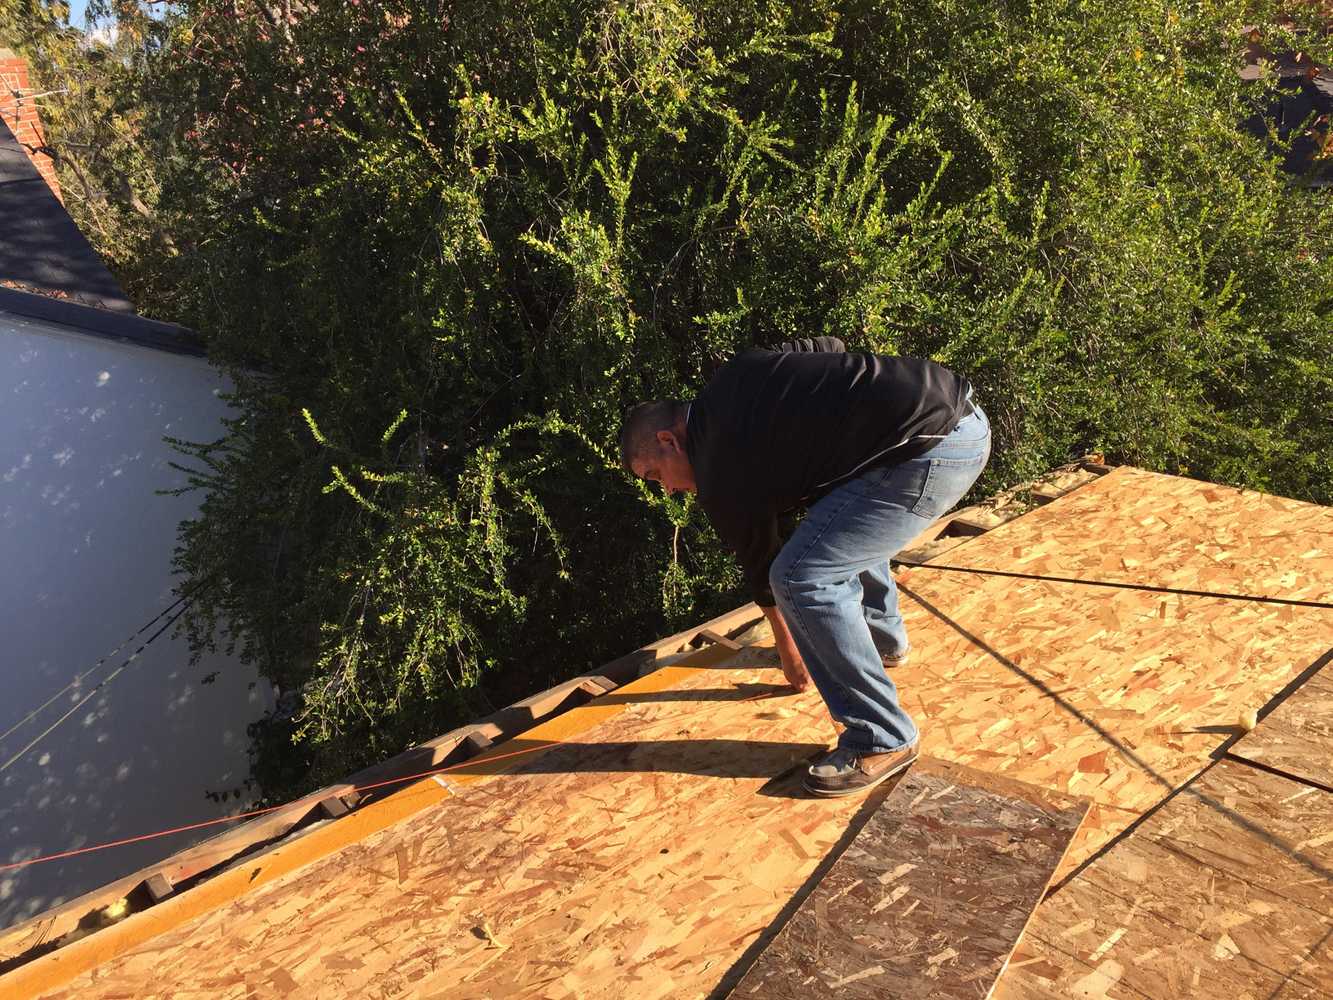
(41, 250)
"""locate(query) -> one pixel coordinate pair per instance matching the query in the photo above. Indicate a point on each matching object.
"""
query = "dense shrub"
(441, 247)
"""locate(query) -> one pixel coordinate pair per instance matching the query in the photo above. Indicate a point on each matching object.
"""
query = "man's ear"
(668, 440)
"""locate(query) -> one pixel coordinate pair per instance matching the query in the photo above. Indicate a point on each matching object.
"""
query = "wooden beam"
(575, 691)
(333, 807)
(708, 635)
(158, 886)
(648, 658)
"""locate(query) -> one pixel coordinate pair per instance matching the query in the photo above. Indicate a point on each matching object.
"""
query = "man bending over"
(876, 448)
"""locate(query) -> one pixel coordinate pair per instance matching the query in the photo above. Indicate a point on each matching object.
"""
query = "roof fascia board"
(124, 327)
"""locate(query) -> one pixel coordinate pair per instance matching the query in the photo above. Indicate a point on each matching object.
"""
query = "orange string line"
(270, 809)
(267, 809)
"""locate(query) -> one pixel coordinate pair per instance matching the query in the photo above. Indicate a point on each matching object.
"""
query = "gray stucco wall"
(85, 553)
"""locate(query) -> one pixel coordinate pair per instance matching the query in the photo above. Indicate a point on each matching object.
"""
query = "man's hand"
(793, 667)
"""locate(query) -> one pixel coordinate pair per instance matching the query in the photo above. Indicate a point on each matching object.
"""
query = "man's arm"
(793, 666)
(755, 540)
(810, 345)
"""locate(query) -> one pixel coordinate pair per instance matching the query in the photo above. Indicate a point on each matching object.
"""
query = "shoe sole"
(893, 664)
(828, 793)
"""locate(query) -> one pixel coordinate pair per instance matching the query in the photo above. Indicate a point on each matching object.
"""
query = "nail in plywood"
(930, 897)
(1297, 738)
(1223, 892)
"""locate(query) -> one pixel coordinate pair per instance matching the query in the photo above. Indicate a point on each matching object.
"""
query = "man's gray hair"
(638, 433)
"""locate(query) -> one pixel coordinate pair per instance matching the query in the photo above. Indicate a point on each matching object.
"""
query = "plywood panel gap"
(1295, 736)
(855, 824)
(1297, 779)
(1143, 818)
(1184, 932)
(1200, 903)
(1181, 850)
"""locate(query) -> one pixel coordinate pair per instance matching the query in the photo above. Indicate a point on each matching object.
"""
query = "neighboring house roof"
(650, 841)
(49, 271)
(1297, 106)
(41, 249)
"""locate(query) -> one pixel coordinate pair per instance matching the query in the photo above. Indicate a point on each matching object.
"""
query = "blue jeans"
(833, 585)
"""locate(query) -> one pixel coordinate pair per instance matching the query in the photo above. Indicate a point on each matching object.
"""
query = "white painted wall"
(85, 560)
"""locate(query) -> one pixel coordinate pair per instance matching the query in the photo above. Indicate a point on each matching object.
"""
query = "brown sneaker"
(845, 772)
(891, 660)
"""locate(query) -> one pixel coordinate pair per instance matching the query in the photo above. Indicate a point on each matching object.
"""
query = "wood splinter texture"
(929, 899)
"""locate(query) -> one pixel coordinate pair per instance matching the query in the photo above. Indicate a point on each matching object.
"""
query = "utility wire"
(97, 687)
(91, 670)
(474, 762)
(262, 811)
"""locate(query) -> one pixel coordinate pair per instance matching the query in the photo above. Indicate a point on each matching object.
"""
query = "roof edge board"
(41, 246)
(124, 327)
(53, 968)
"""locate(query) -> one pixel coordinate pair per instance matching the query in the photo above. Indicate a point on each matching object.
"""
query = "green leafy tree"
(440, 248)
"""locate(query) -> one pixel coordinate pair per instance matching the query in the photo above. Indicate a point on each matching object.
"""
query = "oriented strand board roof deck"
(646, 853)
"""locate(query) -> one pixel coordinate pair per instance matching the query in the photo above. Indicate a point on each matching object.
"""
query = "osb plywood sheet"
(1133, 526)
(1042, 972)
(1116, 695)
(930, 897)
(1297, 738)
(645, 860)
(639, 861)
(1226, 891)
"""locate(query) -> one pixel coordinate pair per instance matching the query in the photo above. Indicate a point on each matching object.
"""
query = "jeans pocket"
(946, 481)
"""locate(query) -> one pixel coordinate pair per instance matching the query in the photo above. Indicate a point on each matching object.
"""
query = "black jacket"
(777, 429)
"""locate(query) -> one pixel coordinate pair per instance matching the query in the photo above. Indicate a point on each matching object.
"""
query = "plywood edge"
(51, 970)
(291, 818)
(1003, 784)
(1288, 746)
(648, 658)
(957, 527)
(1085, 807)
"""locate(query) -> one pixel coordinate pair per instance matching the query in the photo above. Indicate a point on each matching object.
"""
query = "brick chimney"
(19, 112)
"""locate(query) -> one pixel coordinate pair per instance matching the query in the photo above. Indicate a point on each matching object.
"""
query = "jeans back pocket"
(947, 480)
